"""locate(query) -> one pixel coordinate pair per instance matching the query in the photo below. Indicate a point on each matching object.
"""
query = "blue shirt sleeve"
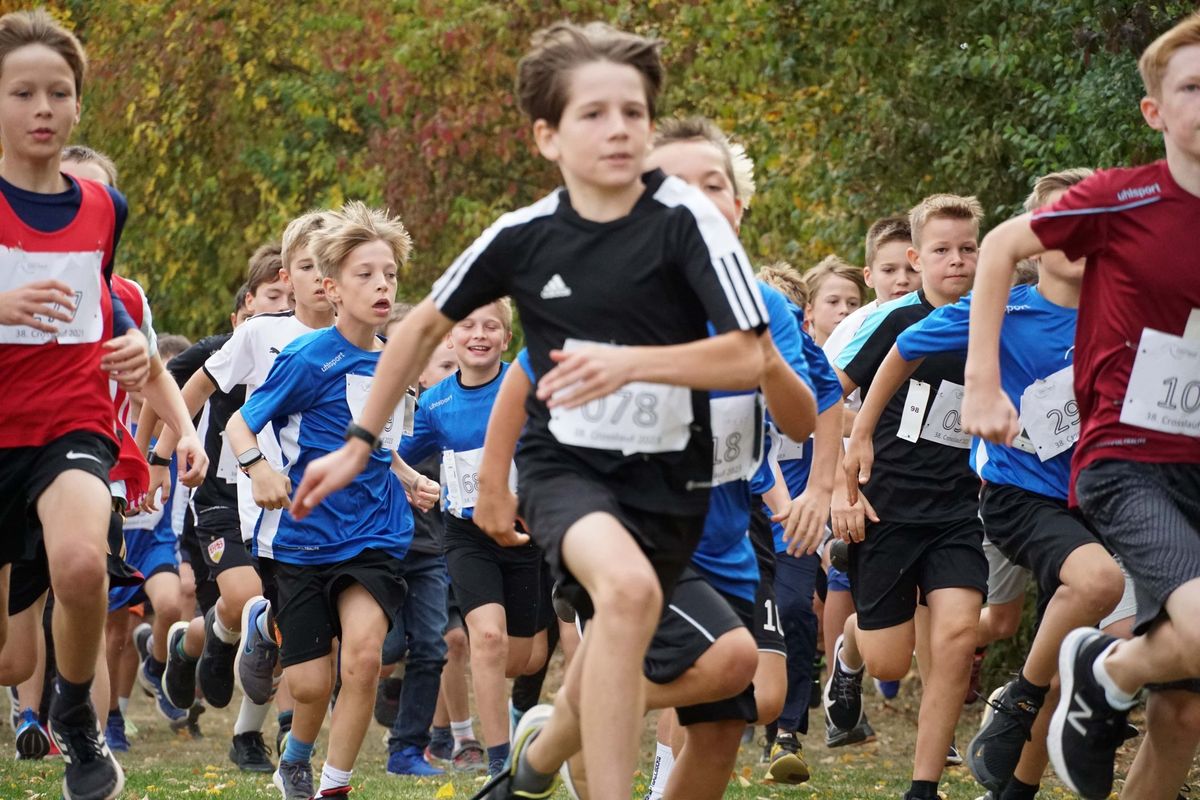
(290, 388)
(827, 386)
(945, 330)
(121, 321)
(526, 365)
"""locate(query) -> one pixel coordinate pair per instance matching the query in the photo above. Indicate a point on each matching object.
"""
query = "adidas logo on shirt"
(555, 288)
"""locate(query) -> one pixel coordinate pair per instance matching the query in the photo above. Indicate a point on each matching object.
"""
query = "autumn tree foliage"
(229, 117)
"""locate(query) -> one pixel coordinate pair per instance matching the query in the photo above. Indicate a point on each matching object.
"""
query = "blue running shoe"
(153, 682)
(114, 733)
(32, 741)
(411, 761)
(887, 689)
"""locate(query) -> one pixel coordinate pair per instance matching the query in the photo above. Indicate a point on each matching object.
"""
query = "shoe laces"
(1006, 708)
(83, 743)
(253, 744)
(845, 687)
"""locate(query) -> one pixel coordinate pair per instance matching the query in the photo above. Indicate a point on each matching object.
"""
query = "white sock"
(1117, 697)
(224, 634)
(332, 777)
(664, 761)
(846, 667)
(462, 730)
(250, 717)
(123, 704)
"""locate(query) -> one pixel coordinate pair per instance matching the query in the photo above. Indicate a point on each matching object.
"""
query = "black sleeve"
(480, 275)
(717, 268)
(866, 362)
(184, 365)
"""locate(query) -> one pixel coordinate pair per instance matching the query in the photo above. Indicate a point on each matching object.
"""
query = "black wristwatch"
(249, 458)
(155, 460)
(356, 431)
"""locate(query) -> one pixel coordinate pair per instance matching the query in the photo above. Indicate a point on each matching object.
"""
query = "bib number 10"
(1164, 386)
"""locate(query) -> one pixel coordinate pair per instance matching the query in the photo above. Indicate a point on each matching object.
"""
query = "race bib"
(227, 466)
(944, 422)
(1164, 387)
(787, 448)
(1050, 415)
(914, 411)
(637, 418)
(357, 388)
(736, 436)
(460, 474)
(80, 271)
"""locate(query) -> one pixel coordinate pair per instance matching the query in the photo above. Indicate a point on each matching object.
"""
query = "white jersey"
(245, 360)
(842, 336)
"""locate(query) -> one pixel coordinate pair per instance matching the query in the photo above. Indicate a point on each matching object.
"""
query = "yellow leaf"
(447, 790)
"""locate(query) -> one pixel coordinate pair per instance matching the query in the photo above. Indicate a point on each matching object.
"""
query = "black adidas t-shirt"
(922, 481)
(211, 421)
(654, 277)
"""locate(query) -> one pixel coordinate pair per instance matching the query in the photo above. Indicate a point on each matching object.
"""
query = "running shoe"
(862, 733)
(995, 750)
(787, 761)
(179, 675)
(410, 761)
(519, 780)
(92, 773)
(214, 669)
(294, 779)
(249, 752)
(142, 636)
(441, 748)
(115, 733)
(166, 709)
(843, 693)
(469, 756)
(887, 689)
(33, 743)
(953, 757)
(256, 656)
(1085, 730)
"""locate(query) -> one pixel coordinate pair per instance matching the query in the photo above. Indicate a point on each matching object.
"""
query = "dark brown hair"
(885, 230)
(82, 154)
(21, 28)
(543, 74)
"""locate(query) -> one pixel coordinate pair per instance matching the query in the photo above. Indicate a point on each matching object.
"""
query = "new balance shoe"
(862, 733)
(410, 761)
(92, 773)
(214, 669)
(249, 752)
(843, 693)
(142, 635)
(294, 780)
(995, 750)
(787, 761)
(114, 732)
(33, 742)
(469, 756)
(953, 757)
(1086, 729)
(179, 675)
(166, 709)
(256, 656)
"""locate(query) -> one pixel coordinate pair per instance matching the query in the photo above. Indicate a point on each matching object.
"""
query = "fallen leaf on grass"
(447, 790)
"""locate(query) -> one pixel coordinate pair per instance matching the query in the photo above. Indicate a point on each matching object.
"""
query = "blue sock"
(498, 753)
(260, 620)
(297, 750)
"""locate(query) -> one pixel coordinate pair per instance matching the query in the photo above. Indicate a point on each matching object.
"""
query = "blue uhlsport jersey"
(1037, 340)
(308, 394)
(452, 419)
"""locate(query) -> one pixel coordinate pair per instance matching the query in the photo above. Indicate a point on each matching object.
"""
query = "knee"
(1176, 712)
(887, 665)
(78, 574)
(311, 689)
(360, 662)
(1100, 588)
(1005, 623)
(16, 665)
(456, 645)
(739, 661)
(633, 597)
(488, 642)
(169, 610)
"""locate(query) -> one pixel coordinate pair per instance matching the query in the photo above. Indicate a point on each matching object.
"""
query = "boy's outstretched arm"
(496, 507)
(403, 358)
(986, 411)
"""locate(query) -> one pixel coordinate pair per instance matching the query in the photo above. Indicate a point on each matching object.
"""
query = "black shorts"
(26, 472)
(695, 616)
(219, 537)
(306, 599)
(1033, 531)
(454, 615)
(899, 563)
(552, 503)
(483, 572)
(1149, 515)
(762, 538)
(28, 580)
(768, 625)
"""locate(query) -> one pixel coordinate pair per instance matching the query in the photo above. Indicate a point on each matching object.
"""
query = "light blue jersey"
(308, 393)
(1037, 340)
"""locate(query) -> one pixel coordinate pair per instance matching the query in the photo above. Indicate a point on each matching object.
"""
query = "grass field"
(165, 766)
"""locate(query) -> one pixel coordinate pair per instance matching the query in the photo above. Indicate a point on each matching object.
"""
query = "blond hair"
(738, 166)
(884, 231)
(356, 224)
(1153, 63)
(544, 73)
(1047, 185)
(298, 234)
(834, 267)
(787, 279)
(943, 206)
(21, 28)
(82, 154)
